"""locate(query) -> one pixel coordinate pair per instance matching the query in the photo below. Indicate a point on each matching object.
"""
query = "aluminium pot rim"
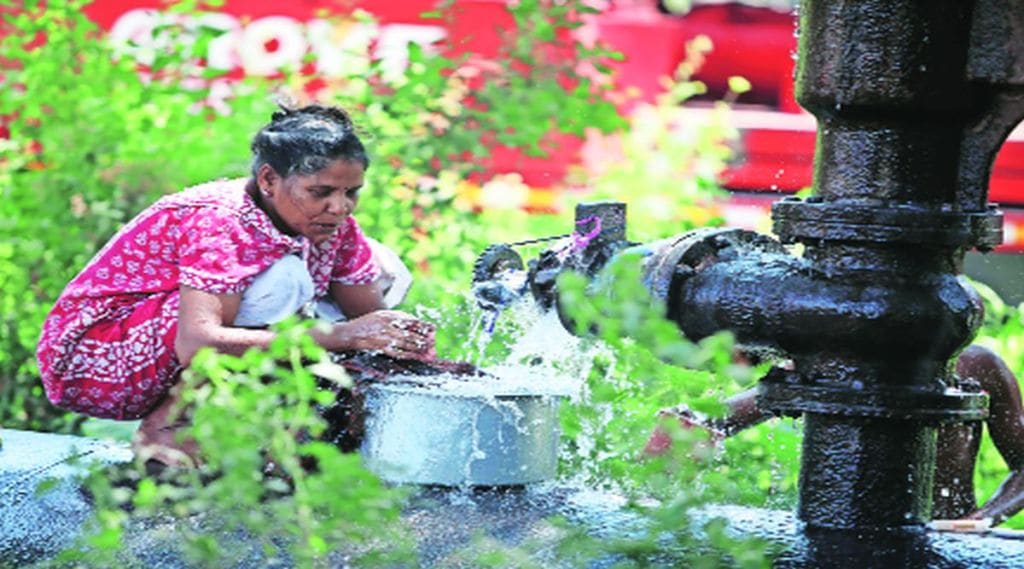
(460, 390)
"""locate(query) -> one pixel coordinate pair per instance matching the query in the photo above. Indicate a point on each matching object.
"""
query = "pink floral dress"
(107, 346)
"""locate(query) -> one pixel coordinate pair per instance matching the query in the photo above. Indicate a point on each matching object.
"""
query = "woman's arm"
(204, 321)
(357, 300)
(360, 302)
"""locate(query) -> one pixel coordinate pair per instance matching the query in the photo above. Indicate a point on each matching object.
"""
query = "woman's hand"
(390, 332)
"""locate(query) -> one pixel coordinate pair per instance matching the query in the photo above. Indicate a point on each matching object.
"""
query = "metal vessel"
(457, 433)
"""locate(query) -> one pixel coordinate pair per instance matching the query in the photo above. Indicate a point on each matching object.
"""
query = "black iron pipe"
(883, 487)
(873, 312)
(888, 83)
(901, 330)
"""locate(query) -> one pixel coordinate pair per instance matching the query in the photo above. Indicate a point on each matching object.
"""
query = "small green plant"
(650, 366)
(266, 478)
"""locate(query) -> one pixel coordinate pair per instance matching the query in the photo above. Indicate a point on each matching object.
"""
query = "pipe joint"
(736, 280)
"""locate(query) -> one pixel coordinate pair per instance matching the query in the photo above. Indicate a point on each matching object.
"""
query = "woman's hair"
(305, 140)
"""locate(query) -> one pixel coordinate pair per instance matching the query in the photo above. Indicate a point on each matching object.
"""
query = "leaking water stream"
(496, 429)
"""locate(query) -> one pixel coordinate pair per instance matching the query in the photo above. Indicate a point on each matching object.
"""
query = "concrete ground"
(446, 524)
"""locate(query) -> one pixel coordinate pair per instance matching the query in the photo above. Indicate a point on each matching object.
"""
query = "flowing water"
(498, 429)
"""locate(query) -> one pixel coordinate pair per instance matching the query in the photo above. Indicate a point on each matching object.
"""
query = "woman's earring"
(265, 191)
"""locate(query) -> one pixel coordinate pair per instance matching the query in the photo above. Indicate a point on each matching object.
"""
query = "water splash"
(481, 329)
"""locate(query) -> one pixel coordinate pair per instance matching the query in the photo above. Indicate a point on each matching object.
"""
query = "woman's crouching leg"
(119, 367)
(276, 293)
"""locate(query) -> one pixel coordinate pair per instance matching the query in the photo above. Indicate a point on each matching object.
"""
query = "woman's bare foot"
(159, 437)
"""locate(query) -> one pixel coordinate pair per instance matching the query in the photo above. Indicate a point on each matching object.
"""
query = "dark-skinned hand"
(389, 332)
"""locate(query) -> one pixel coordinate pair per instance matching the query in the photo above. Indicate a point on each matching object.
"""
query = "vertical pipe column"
(886, 80)
(889, 483)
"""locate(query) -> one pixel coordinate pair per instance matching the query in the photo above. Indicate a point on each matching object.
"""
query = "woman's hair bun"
(304, 139)
(333, 114)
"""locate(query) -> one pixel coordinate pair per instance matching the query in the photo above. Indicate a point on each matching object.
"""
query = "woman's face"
(314, 205)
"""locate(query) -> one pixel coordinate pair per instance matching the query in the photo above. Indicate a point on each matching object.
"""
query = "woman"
(213, 266)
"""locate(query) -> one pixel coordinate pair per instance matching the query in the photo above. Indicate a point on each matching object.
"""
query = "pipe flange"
(687, 253)
(797, 220)
(874, 402)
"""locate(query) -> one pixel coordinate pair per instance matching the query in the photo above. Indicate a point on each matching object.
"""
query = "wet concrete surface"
(445, 523)
(920, 549)
(34, 524)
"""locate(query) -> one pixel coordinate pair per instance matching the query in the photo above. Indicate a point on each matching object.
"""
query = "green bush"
(90, 145)
(265, 474)
(94, 139)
